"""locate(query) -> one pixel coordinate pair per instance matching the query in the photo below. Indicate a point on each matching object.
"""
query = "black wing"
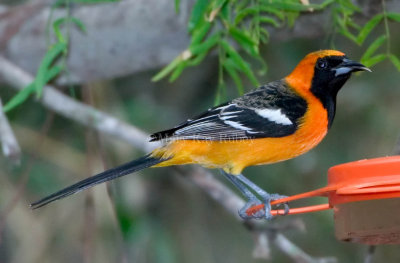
(270, 111)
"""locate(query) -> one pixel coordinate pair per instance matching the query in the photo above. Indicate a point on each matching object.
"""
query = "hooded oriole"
(275, 122)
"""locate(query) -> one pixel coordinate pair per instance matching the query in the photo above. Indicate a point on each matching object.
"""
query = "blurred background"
(158, 215)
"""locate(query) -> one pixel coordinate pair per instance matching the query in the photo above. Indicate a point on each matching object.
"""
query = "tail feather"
(130, 167)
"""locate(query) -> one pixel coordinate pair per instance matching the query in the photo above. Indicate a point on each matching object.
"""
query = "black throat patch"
(325, 86)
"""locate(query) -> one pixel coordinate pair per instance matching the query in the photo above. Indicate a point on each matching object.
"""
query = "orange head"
(321, 75)
(324, 68)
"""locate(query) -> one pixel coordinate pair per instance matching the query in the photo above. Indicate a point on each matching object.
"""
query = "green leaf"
(21, 96)
(198, 13)
(269, 20)
(291, 18)
(395, 60)
(178, 64)
(57, 24)
(78, 23)
(352, 24)
(256, 10)
(168, 69)
(326, 3)
(298, 7)
(53, 72)
(43, 71)
(177, 4)
(229, 66)
(245, 41)
(24, 94)
(243, 65)
(264, 35)
(197, 60)
(374, 60)
(393, 16)
(348, 4)
(206, 45)
(225, 12)
(287, 6)
(372, 48)
(243, 13)
(368, 27)
(178, 71)
(57, 30)
(340, 21)
(219, 96)
(200, 32)
(275, 11)
(347, 34)
(240, 5)
(264, 67)
(217, 4)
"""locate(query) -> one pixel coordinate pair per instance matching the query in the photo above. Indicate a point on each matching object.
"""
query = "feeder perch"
(365, 198)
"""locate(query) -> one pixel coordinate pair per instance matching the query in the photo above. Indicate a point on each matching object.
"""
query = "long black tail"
(133, 166)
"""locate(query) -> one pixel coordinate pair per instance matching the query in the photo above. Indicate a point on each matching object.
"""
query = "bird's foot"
(273, 197)
(256, 209)
(245, 213)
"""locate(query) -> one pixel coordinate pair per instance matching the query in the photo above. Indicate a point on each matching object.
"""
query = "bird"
(275, 122)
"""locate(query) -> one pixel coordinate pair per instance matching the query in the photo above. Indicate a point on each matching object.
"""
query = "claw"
(267, 205)
(267, 208)
(254, 208)
(286, 206)
(243, 212)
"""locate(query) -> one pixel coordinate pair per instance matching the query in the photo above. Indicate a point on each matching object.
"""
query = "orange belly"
(234, 156)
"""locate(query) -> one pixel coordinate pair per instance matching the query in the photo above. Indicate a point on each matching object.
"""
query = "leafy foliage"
(343, 14)
(228, 26)
(54, 61)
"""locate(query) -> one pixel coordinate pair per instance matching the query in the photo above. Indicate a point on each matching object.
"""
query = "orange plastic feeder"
(364, 196)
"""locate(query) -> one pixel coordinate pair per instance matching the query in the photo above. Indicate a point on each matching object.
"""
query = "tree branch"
(123, 37)
(72, 109)
(8, 141)
(106, 124)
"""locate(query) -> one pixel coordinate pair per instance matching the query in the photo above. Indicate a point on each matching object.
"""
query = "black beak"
(349, 66)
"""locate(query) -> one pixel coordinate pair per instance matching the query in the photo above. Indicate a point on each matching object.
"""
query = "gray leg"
(266, 196)
(258, 190)
(240, 182)
(252, 200)
(239, 185)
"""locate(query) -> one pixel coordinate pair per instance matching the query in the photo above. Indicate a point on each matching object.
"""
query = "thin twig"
(109, 125)
(8, 141)
(370, 254)
(298, 255)
(96, 149)
(90, 219)
(262, 246)
(24, 177)
(396, 150)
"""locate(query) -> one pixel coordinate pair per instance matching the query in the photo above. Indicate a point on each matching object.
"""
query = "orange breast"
(234, 156)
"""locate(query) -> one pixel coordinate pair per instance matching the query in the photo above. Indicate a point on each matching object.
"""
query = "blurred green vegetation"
(158, 216)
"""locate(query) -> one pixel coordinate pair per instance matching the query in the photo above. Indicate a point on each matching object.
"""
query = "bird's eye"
(322, 64)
